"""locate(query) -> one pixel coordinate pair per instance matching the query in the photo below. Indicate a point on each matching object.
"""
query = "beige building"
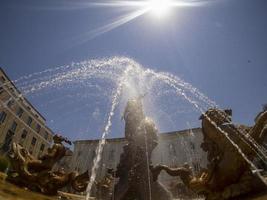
(20, 122)
(174, 149)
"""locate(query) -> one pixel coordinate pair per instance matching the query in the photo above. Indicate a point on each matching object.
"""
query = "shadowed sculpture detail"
(37, 174)
(228, 174)
(135, 179)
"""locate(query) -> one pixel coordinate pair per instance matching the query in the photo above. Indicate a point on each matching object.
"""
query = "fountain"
(231, 150)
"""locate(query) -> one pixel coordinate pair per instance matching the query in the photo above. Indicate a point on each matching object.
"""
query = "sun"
(159, 8)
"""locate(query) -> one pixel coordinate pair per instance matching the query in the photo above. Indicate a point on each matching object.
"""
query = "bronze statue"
(228, 174)
(37, 174)
(135, 178)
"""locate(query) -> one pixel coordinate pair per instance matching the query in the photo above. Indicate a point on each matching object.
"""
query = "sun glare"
(156, 8)
(159, 8)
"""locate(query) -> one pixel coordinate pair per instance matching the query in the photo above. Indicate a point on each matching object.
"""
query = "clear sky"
(220, 47)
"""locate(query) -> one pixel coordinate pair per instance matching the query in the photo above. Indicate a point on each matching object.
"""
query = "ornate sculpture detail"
(37, 174)
(228, 174)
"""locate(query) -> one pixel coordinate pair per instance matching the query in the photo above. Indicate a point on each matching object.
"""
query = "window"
(13, 127)
(38, 128)
(8, 140)
(24, 134)
(2, 79)
(10, 103)
(42, 148)
(46, 135)
(29, 121)
(33, 141)
(20, 112)
(23, 137)
(2, 117)
(192, 145)
(112, 155)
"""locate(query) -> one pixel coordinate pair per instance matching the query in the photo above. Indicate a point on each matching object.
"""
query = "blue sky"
(219, 47)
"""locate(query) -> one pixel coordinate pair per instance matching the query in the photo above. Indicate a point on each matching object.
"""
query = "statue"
(135, 178)
(228, 174)
(37, 174)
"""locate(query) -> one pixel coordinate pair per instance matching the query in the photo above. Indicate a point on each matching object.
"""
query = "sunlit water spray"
(195, 104)
(192, 156)
(102, 141)
(126, 79)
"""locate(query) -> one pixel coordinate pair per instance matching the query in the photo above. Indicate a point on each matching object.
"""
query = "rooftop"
(162, 135)
(19, 92)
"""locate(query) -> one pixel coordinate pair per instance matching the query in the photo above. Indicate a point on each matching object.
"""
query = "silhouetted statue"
(135, 178)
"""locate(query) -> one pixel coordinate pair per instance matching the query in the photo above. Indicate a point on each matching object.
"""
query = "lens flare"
(159, 8)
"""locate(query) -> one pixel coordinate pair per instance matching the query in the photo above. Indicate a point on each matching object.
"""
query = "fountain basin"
(11, 192)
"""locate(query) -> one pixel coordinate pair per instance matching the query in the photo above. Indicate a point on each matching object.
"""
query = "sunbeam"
(110, 26)
(158, 8)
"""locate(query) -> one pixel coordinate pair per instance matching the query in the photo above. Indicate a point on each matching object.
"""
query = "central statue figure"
(135, 178)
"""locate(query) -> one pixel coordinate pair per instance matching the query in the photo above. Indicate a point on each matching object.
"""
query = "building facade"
(20, 122)
(174, 149)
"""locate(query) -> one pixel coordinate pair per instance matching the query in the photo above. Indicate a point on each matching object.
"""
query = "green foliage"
(4, 163)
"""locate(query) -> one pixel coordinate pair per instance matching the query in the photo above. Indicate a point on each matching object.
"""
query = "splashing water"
(170, 82)
(76, 84)
(129, 80)
(106, 131)
(147, 164)
(191, 155)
